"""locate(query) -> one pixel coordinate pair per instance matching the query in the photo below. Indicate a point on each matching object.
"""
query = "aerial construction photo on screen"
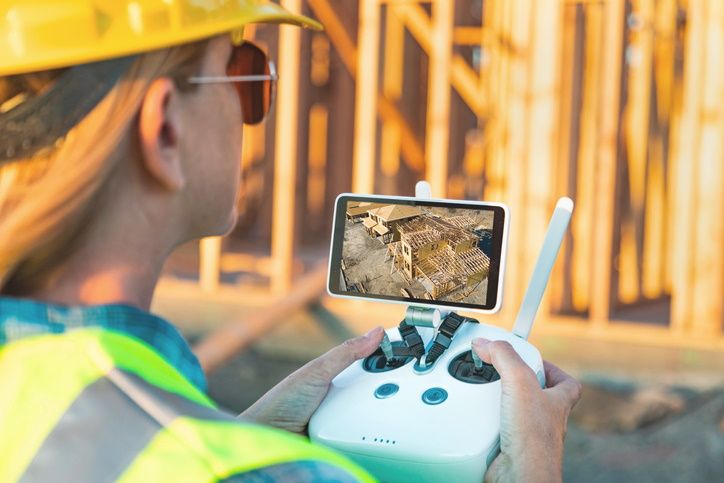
(422, 252)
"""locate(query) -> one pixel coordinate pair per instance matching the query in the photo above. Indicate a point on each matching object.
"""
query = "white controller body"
(410, 433)
(401, 438)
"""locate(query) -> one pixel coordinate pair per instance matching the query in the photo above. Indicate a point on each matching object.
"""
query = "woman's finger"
(561, 383)
(503, 357)
(339, 358)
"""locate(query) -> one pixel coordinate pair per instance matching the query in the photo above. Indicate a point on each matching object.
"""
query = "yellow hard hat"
(46, 34)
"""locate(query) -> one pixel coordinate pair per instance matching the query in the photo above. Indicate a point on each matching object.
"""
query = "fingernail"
(480, 342)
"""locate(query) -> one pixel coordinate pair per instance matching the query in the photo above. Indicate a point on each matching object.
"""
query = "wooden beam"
(473, 36)
(657, 222)
(668, 80)
(636, 134)
(582, 224)
(209, 263)
(462, 77)
(411, 147)
(365, 124)
(496, 76)
(516, 60)
(627, 332)
(560, 286)
(682, 296)
(317, 159)
(542, 131)
(392, 90)
(601, 261)
(708, 248)
(285, 152)
(438, 97)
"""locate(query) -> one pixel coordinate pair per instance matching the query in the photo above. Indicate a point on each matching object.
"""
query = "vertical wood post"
(636, 134)
(542, 113)
(516, 36)
(559, 288)
(707, 309)
(209, 263)
(601, 262)
(285, 153)
(497, 71)
(582, 224)
(438, 97)
(365, 122)
(392, 89)
(682, 298)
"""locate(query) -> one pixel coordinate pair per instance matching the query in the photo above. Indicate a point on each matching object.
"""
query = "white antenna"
(423, 190)
(542, 271)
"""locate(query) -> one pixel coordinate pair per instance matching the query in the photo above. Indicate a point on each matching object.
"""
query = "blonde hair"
(46, 200)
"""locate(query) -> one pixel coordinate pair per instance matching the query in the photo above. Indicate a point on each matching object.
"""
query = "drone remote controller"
(424, 407)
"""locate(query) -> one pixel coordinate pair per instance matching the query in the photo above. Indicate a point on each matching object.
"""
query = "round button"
(386, 390)
(434, 395)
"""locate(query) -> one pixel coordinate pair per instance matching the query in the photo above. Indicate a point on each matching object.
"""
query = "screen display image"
(435, 252)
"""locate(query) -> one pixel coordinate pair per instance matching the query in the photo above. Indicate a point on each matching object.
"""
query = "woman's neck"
(115, 270)
(100, 284)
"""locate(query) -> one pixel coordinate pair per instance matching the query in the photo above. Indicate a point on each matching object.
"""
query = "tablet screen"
(431, 252)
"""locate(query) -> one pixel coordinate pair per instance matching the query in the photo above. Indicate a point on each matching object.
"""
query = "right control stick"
(477, 360)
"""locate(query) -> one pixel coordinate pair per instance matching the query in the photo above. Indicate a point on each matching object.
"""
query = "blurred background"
(618, 104)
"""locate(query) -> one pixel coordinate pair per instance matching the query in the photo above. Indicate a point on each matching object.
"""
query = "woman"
(120, 140)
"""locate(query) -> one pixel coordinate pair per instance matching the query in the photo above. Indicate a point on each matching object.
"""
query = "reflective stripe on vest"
(95, 405)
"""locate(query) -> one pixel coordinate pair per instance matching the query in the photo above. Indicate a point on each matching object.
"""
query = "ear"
(159, 127)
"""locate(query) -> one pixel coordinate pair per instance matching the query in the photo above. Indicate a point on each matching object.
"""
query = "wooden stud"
(542, 113)
(285, 152)
(682, 297)
(707, 250)
(517, 35)
(438, 97)
(317, 159)
(582, 225)
(669, 78)
(495, 14)
(560, 284)
(209, 263)
(391, 136)
(365, 124)
(639, 53)
(601, 257)
(656, 262)
(410, 146)
(462, 77)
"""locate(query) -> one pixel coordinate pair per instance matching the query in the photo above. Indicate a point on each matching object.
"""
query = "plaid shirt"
(23, 318)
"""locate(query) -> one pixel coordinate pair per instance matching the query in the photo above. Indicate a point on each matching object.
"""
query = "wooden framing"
(606, 170)
(365, 125)
(616, 103)
(438, 97)
(285, 158)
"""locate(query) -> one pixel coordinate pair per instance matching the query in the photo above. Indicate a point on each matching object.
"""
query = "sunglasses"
(254, 77)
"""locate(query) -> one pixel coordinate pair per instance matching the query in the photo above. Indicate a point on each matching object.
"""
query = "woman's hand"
(533, 420)
(291, 403)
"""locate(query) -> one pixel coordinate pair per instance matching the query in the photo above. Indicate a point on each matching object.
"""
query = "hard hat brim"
(42, 51)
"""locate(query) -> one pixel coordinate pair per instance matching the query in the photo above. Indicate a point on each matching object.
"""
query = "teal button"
(434, 395)
(386, 390)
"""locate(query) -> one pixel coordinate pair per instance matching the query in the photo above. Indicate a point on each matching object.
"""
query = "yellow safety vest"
(96, 405)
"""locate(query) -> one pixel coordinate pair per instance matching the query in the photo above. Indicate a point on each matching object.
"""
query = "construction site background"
(618, 104)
